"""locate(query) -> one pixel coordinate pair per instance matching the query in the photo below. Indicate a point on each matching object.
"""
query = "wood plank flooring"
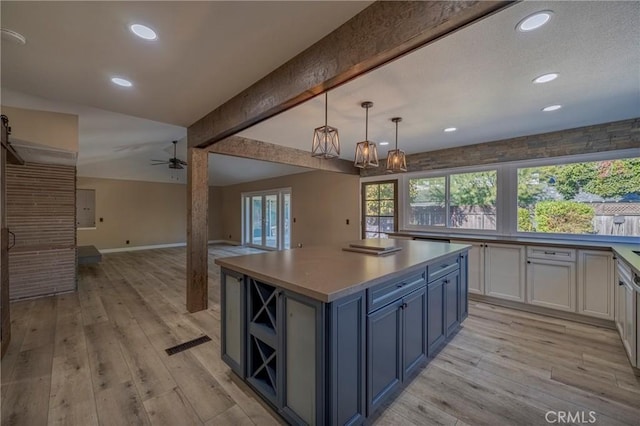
(97, 357)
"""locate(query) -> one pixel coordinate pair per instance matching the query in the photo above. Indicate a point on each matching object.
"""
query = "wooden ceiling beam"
(237, 146)
(380, 33)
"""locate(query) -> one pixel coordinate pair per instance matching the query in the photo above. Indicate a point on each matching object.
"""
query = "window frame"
(446, 173)
(363, 205)
(506, 197)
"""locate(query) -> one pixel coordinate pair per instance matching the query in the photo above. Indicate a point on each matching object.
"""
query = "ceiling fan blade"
(184, 163)
(159, 164)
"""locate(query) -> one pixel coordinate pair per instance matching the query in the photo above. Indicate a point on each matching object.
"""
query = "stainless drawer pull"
(401, 285)
(550, 252)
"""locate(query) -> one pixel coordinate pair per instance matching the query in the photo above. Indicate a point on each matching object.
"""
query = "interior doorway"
(266, 217)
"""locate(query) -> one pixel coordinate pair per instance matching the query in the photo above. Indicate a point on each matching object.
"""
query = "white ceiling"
(206, 53)
(478, 79)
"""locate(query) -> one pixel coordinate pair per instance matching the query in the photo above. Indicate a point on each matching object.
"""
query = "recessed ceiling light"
(551, 108)
(143, 31)
(546, 78)
(121, 82)
(535, 21)
(450, 129)
(384, 143)
(13, 36)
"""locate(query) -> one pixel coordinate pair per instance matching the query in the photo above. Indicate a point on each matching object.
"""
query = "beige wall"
(321, 202)
(145, 213)
(52, 129)
(216, 231)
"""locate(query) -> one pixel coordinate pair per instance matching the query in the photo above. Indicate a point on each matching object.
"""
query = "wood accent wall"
(614, 136)
(41, 213)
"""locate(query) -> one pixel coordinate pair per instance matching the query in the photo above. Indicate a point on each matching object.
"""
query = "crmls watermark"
(577, 417)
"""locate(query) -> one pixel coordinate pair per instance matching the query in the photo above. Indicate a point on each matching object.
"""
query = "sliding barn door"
(5, 330)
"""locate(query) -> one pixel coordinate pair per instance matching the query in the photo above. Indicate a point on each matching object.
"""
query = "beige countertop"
(328, 273)
(622, 250)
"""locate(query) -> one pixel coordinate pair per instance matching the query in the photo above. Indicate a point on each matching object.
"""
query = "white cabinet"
(596, 284)
(504, 271)
(496, 270)
(551, 277)
(626, 314)
(475, 268)
(551, 283)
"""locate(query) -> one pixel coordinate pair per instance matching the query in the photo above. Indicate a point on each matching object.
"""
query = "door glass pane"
(256, 220)
(427, 201)
(287, 216)
(271, 221)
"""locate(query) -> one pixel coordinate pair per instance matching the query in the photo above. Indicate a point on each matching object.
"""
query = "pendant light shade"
(326, 142)
(366, 151)
(396, 158)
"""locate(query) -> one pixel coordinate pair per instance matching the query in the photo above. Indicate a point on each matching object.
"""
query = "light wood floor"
(97, 357)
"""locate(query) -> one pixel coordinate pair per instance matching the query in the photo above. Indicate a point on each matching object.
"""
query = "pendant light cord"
(366, 125)
(326, 108)
(396, 135)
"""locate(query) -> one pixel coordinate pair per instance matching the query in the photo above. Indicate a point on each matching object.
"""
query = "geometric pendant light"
(326, 143)
(396, 158)
(366, 151)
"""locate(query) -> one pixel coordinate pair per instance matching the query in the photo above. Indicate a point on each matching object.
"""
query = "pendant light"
(326, 143)
(366, 151)
(396, 158)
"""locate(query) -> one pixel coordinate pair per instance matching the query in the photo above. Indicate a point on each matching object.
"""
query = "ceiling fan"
(174, 163)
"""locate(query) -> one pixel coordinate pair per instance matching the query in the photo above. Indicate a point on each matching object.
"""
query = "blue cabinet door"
(347, 360)
(464, 287)
(435, 316)
(452, 302)
(414, 331)
(384, 347)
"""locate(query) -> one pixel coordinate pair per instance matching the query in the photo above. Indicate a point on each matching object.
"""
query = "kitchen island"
(326, 336)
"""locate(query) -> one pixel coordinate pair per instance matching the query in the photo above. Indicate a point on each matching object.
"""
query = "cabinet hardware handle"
(404, 305)
(400, 285)
(528, 261)
(446, 281)
(620, 282)
(550, 252)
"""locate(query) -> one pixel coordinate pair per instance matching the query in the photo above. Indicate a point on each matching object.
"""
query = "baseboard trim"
(136, 248)
(599, 322)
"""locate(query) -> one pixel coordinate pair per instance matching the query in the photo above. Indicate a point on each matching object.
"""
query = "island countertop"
(327, 273)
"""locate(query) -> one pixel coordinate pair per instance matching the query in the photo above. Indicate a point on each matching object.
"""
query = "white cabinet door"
(475, 270)
(504, 271)
(551, 284)
(596, 284)
(620, 306)
(629, 339)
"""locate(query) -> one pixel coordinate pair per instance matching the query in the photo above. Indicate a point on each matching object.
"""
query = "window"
(597, 198)
(379, 201)
(462, 200)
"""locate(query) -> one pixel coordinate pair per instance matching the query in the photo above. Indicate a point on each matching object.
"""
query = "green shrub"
(524, 220)
(568, 217)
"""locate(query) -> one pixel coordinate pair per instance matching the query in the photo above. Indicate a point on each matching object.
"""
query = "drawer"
(385, 293)
(443, 267)
(551, 253)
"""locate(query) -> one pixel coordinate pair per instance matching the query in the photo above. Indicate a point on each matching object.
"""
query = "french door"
(266, 219)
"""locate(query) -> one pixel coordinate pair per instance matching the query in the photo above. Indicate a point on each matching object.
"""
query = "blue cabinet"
(384, 352)
(337, 363)
(396, 337)
(436, 332)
